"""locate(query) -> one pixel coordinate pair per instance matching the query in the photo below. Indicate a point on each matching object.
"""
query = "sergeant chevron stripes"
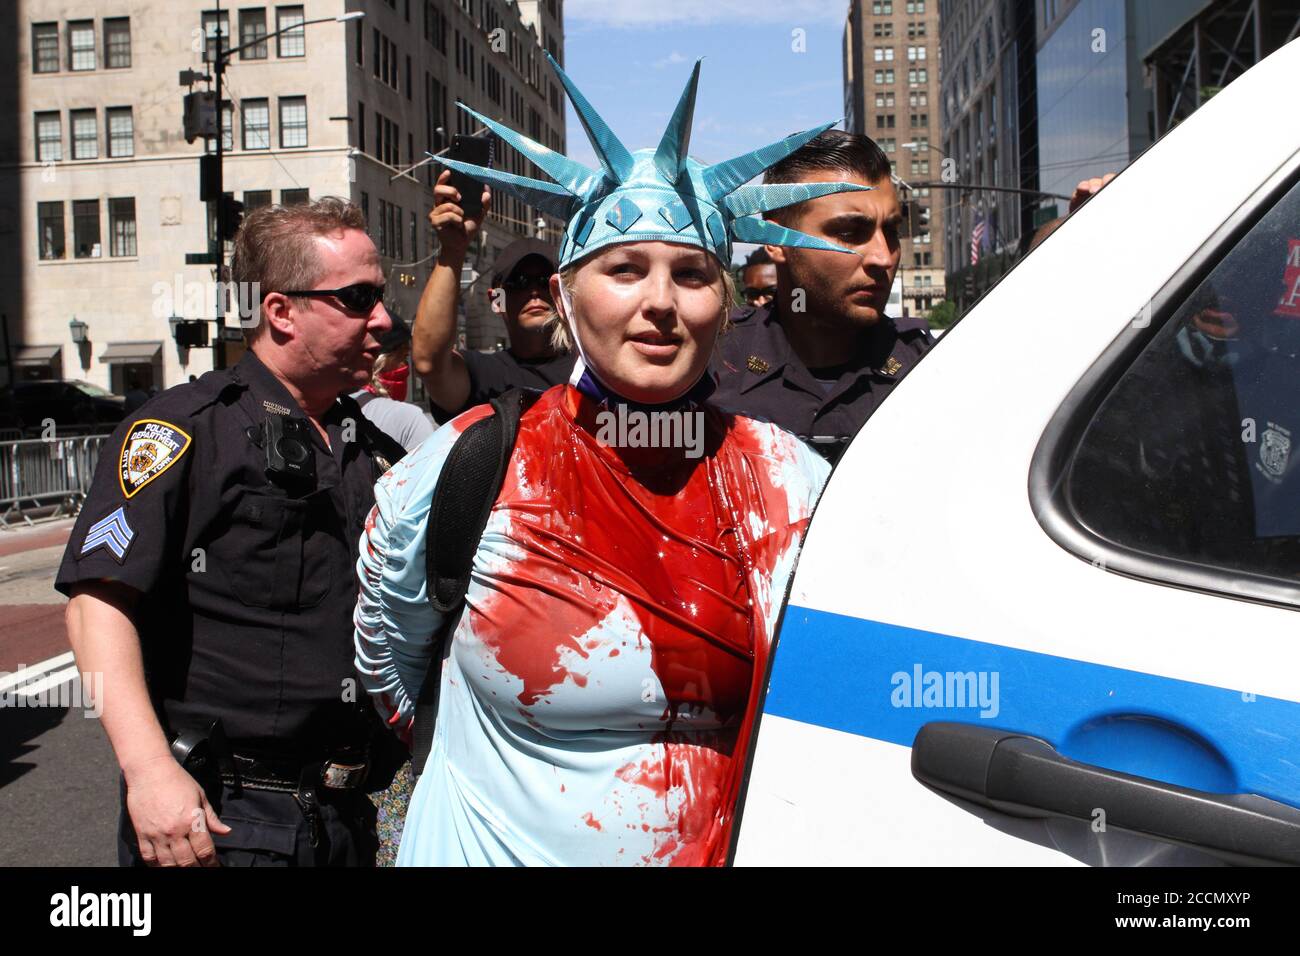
(112, 533)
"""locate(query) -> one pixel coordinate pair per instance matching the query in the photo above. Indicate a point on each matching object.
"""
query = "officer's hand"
(454, 228)
(1087, 189)
(171, 816)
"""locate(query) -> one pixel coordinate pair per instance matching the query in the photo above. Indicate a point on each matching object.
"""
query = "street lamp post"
(216, 243)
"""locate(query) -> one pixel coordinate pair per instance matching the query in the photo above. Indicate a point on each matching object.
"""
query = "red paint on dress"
(667, 534)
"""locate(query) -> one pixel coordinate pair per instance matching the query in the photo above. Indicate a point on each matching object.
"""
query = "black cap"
(518, 251)
(397, 336)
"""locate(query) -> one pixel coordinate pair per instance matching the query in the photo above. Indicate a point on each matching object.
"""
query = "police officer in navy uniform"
(458, 379)
(821, 358)
(212, 572)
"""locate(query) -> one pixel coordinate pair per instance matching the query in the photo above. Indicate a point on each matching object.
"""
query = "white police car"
(1075, 635)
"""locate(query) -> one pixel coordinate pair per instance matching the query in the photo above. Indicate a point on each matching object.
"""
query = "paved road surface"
(58, 778)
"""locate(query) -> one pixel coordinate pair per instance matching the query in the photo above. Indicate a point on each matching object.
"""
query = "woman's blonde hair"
(561, 337)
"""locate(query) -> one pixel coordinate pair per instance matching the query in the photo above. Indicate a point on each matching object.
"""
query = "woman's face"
(648, 314)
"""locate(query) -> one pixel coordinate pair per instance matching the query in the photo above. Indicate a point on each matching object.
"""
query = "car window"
(94, 391)
(1193, 454)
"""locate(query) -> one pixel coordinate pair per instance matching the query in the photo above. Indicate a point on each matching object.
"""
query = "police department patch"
(150, 448)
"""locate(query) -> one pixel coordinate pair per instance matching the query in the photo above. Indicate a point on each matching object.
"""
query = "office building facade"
(101, 189)
(891, 82)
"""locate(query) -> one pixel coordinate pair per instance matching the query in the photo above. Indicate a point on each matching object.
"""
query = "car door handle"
(1024, 776)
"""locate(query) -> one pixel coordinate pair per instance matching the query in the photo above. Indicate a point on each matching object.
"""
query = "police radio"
(287, 443)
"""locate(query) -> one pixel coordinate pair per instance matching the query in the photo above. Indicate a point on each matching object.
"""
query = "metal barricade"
(39, 473)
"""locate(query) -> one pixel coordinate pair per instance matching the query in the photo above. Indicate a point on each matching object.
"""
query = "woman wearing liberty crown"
(601, 682)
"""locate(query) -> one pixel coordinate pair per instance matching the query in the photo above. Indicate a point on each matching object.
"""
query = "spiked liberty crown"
(660, 194)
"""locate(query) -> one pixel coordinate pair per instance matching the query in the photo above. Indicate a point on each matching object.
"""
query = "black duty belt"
(289, 776)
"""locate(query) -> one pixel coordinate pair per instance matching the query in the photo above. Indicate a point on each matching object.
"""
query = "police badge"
(150, 448)
(1274, 451)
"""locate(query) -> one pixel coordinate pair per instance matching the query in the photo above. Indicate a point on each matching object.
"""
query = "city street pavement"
(58, 778)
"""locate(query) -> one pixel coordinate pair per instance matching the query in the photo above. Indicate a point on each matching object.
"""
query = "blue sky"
(631, 58)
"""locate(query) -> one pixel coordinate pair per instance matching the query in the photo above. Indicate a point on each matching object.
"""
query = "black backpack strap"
(462, 502)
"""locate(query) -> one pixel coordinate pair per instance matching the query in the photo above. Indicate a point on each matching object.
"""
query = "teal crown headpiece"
(660, 194)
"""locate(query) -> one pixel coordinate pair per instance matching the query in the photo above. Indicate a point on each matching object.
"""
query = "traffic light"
(192, 335)
(230, 215)
(918, 219)
(200, 118)
(209, 174)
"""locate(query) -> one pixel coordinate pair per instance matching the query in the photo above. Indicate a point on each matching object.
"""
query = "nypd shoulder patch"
(112, 533)
(150, 448)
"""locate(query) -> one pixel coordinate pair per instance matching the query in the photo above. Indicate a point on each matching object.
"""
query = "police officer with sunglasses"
(211, 573)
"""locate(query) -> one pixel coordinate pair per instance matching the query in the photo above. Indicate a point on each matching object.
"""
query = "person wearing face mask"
(600, 682)
(383, 400)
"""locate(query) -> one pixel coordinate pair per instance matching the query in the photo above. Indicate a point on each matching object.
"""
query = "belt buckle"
(343, 776)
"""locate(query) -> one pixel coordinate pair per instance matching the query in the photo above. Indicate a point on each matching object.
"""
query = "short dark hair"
(758, 257)
(834, 151)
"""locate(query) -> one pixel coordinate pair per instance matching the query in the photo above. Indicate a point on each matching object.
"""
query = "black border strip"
(1055, 452)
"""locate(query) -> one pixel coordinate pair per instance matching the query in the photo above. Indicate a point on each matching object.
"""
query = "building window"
(365, 208)
(256, 115)
(227, 126)
(915, 53)
(45, 48)
(294, 197)
(293, 42)
(85, 134)
(49, 238)
(85, 228)
(920, 120)
(408, 77)
(887, 145)
(882, 8)
(885, 29)
(256, 199)
(252, 28)
(121, 226)
(49, 138)
(415, 238)
(293, 121)
(397, 231)
(361, 126)
(117, 43)
(121, 132)
(383, 228)
(216, 30)
(360, 38)
(81, 45)
(884, 121)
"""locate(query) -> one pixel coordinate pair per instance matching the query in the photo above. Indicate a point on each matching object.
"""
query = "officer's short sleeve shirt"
(246, 579)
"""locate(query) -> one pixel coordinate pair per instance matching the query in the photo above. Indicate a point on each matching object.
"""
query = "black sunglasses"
(361, 297)
(751, 294)
(519, 282)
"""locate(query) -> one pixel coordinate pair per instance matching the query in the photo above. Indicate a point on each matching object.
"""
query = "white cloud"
(669, 60)
(664, 13)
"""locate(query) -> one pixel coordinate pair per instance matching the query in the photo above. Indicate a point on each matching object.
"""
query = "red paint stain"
(671, 537)
(592, 821)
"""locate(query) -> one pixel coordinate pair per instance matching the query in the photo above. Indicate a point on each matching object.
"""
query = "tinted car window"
(1193, 454)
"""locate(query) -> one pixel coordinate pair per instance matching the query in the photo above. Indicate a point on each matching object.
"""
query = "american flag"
(976, 242)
